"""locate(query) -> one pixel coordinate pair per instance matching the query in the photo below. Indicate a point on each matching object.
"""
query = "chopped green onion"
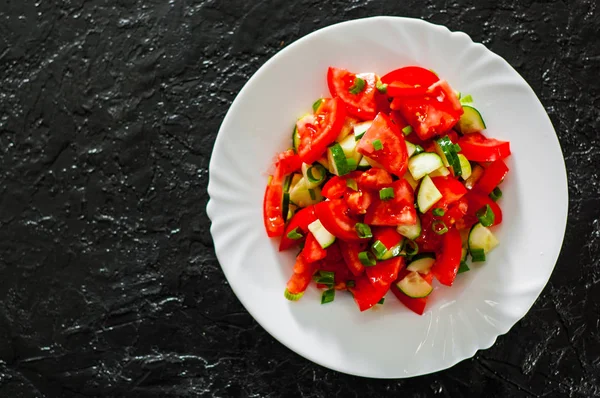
(467, 99)
(449, 150)
(496, 194)
(328, 296)
(412, 250)
(367, 259)
(377, 145)
(292, 296)
(463, 267)
(478, 255)
(351, 183)
(418, 149)
(407, 130)
(320, 173)
(381, 87)
(351, 164)
(457, 148)
(486, 216)
(379, 249)
(325, 278)
(317, 104)
(350, 283)
(358, 86)
(386, 193)
(438, 212)
(439, 227)
(363, 230)
(294, 234)
(381, 301)
(312, 194)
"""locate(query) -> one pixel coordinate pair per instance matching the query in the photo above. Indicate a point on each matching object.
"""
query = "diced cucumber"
(411, 148)
(422, 263)
(415, 286)
(448, 153)
(481, 237)
(441, 172)
(323, 236)
(317, 172)
(471, 120)
(423, 164)
(410, 231)
(393, 252)
(347, 128)
(476, 173)
(348, 145)
(373, 163)
(465, 166)
(291, 211)
(439, 151)
(336, 157)
(363, 164)
(301, 195)
(428, 195)
(296, 177)
(360, 129)
(295, 138)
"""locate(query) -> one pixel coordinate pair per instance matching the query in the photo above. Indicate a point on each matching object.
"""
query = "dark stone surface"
(109, 282)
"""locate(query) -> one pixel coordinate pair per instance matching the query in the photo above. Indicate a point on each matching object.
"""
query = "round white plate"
(390, 341)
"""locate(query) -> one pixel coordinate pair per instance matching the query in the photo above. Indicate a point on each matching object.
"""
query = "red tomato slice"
(456, 211)
(491, 177)
(429, 241)
(300, 220)
(443, 89)
(411, 75)
(447, 259)
(477, 201)
(339, 268)
(286, 163)
(359, 201)
(451, 190)
(350, 252)
(334, 253)
(387, 235)
(399, 89)
(393, 155)
(336, 187)
(302, 276)
(366, 294)
(374, 179)
(416, 305)
(478, 148)
(321, 129)
(398, 210)
(334, 217)
(362, 105)
(385, 272)
(427, 116)
(312, 250)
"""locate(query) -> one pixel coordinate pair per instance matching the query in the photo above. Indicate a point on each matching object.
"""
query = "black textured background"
(109, 284)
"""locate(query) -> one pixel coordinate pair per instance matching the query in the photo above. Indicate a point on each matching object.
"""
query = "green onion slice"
(363, 230)
(439, 227)
(386, 193)
(317, 104)
(379, 249)
(410, 247)
(381, 87)
(377, 145)
(407, 130)
(467, 99)
(292, 296)
(486, 216)
(418, 149)
(294, 234)
(478, 255)
(367, 259)
(351, 183)
(328, 296)
(316, 173)
(358, 86)
(325, 278)
(496, 194)
(463, 267)
(438, 212)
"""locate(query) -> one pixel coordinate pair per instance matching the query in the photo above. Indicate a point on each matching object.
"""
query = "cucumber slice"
(411, 181)
(363, 164)
(323, 236)
(373, 163)
(481, 237)
(439, 151)
(295, 180)
(347, 128)
(423, 164)
(348, 145)
(336, 157)
(471, 120)
(393, 252)
(410, 231)
(302, 196)
(465, 165)
(360, 129)
(295, 139)
(415, 286)
(428, 195)
(422, 264)
(441, 172)
(315, 173)
(476, 173)
(411, 148)
(291, 211)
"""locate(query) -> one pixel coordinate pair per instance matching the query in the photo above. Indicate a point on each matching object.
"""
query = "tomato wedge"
(477, 148)
(476, 202)
(366, 294)
(491, 177)
(451, 190)
(337, 187)
(428, 241)
(448, 258)
(374, 179)
(456, 211)
(350, 252)
(398, 210)
(392, 155)
(302, 276)
(321, 129)
(300, 220)
(287, 163)
(334, 217)
(386, 235)
(312, 250)
(416, 305)
(363, 104)
(385, 272)
(359, 201)
(411, 75)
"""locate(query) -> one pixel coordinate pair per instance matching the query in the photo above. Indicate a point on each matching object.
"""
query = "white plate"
(388, 342)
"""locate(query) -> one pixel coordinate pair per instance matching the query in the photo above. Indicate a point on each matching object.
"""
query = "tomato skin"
(362, 105)
(448, 257)
(396, 211)
(359, 201)
(491, 177)
(312, 250)
(300, 220)
(336, 187)
(399, 89)
(429, 241)
(287, 163)
(385, 272)
(374, 179)
(476, 147)
(451, 190)
(302, 275)
(416, 305)
(411, 75)
(350, 252)
(366, 294)
(455, 212)
(321, 129)
(334, 217)
(386, 235)
(393, 156)
(477, 201)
